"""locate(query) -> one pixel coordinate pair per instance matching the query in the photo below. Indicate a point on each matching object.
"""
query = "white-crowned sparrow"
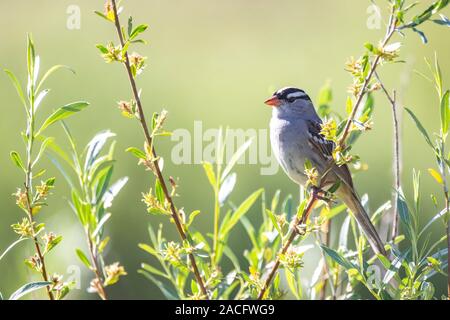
(295, 137)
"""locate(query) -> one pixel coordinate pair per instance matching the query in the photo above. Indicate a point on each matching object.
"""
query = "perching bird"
(295, 137)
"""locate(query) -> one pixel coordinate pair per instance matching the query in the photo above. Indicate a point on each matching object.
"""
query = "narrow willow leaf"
(153, 270)
(192, 217)
(63, 113)
(39, 98)
(405, 216)
(292, 283)
(15, 158)
(18, 87)
(250, 230)
(148, 249)
(50, 72)
(53, 244)
(240, 211)
(44, 145)
(209, 170)
(421, 128)
(235, 157)
(83, 258)
(136, 152)
(11, 246)
(159, 192)
(100, 224)
(102, 16)
(436, 175)
(432, 220)
(338, 257)
(168, 293)
(95, 146)
(28, 288)
(130, 26)
(275, 200)
(445, 112)
(138, 30)
(227, 187)
(113, 191)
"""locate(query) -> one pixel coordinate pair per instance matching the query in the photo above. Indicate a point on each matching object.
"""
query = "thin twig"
(99, 285)
(325, 271)
(29, 191)
(149, 141)
(396, 158)
(293, 234)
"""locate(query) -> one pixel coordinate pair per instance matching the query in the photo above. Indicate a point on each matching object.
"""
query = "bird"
(296, 139)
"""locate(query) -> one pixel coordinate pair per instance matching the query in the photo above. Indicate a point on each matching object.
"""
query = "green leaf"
(292, 283)
(324, 99)
(209, 170)
(31, 58)
(436, 175)
(445, 112)
(192, 217)
(50, 72)
(130, 26)
(138, 30)
(404, 214)
(274, 221)
(153, 270)
(44, 145)
(10, 247)
(168, 293)
(240, 211)
(159, 192)
(136, 152)
(100, 224)
(235, 157)
(148, 249)
(83, 258)
(53, 244)
(28, 288)
(338, 257)
(421, 128)
(102, 48)
(63, 113)
(18, 87)
(15, 157)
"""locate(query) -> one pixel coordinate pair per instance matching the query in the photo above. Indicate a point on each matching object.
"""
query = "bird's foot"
(323, 195)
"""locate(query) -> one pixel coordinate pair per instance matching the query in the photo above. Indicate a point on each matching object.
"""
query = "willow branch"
(396, 159)
(293, 234)
(149, 140)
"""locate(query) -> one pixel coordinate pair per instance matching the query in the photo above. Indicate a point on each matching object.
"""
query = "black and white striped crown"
(291, 94)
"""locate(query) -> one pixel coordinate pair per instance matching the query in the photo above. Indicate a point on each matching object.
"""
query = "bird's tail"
(352, 201)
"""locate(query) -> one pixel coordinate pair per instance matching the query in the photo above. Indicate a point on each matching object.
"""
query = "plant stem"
(293, 234)
(366, 82)
(447, 208)
(396, 158)
(216, 221)
(325, 272)
(149, 141)
(29, 193)
(99, 285)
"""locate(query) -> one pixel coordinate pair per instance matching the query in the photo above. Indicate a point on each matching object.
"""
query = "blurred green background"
(213, 61)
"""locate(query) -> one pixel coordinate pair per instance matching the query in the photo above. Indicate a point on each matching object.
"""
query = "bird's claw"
(321, 194)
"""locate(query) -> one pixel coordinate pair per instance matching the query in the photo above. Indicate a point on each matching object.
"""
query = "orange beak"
(273, 101)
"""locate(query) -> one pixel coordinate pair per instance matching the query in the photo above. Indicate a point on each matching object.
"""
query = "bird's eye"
(290, 100)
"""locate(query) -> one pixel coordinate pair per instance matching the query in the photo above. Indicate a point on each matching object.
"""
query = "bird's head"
(287, 96)
(290, 100)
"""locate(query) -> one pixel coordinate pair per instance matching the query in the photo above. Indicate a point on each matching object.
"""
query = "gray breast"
(290, 146)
